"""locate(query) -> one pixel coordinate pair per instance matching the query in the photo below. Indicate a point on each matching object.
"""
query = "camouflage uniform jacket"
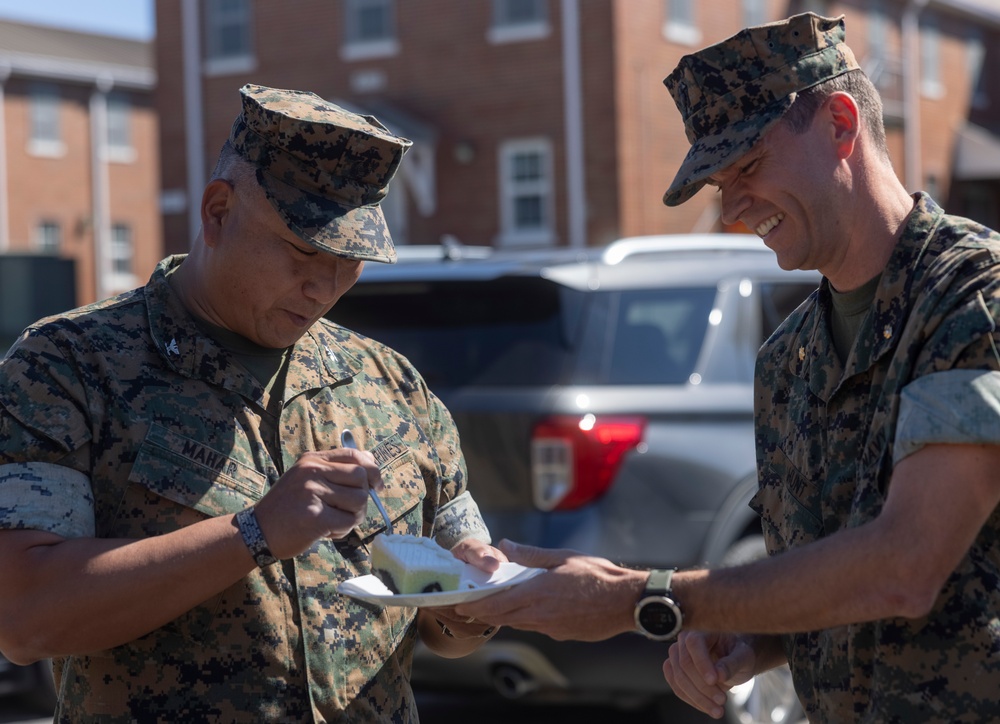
(825, 437)
(171, 431)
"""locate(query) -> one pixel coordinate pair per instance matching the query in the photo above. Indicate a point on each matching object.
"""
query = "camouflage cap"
(323, 168)
(730, 93)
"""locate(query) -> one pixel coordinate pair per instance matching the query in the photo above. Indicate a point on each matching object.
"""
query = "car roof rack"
(620, 250)
(450, 249)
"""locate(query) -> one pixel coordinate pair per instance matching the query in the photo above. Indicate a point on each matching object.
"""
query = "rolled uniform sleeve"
(958, 406)
(43, 496)
(42, 428)
(459, 519)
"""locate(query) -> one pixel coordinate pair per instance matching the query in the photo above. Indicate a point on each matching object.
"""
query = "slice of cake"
(409, 564)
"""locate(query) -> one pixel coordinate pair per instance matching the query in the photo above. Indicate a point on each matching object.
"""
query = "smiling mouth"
(765, 226)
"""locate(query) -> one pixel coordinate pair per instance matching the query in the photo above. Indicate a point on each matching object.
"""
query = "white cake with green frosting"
(408, 564)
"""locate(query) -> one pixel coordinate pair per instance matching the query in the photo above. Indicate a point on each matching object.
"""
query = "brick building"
(79, 170)
(541, 122)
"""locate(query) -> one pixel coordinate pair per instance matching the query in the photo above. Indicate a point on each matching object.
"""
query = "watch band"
(657, 615)
(253, 536)
(658, 583)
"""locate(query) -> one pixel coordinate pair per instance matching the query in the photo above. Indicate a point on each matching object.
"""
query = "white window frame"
(48, 237)
(119, 114)
(975, 54)
(356, 48)
(505, 29)
(44, 121)
(216, 20)
(121, 250)
(681, 24)
(511, 189)
(930, 58)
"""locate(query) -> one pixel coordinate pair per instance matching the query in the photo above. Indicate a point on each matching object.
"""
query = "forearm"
(893, 566)
(847, 578)
(66, 596)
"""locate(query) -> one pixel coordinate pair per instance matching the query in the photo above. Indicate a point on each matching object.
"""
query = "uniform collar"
(813, 357)
(318, 359)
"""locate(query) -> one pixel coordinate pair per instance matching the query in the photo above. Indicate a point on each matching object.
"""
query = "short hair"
(803, 109)
(232, 167)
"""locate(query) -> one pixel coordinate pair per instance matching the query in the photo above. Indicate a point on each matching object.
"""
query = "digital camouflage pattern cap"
(323, 168)
(730, 93)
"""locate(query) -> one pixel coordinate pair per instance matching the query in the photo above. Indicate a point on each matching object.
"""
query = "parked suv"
(604, 402)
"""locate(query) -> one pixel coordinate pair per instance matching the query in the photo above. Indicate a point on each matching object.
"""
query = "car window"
(505, 332)
(778, 300)
(657, 335)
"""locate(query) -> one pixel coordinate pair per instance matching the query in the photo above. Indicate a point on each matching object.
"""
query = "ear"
(845, 122)
(216, 201)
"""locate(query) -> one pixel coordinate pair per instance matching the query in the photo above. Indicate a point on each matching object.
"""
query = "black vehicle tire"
(770, 697)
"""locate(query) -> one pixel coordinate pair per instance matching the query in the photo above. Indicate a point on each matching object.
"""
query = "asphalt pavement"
(434, 708)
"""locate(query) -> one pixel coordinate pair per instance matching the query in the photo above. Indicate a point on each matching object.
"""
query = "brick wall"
(475, 94)
(58, 188)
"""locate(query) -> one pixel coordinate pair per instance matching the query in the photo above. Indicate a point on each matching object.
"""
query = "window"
(516, 20)
(46, 133)
(980, 204)
(48, 237)
(369, 29)
(754, 12)
(930, 58)
(121, 250)
(526, 192)
(975, 54)
(228, 37)
(778, 300)
(658, 335)
(681, 25)
(509, 331)
(120, 128)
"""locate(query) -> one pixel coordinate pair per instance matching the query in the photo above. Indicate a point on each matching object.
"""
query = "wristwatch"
(657, 615)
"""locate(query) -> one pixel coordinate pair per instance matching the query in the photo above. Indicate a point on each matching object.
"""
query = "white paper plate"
(371, 590)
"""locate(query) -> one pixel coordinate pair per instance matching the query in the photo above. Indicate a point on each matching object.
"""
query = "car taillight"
(574, 459)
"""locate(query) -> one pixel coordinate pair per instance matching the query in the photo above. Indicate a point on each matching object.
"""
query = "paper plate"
(371, 590)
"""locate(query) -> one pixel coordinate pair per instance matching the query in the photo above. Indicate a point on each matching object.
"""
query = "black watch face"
(657, 618)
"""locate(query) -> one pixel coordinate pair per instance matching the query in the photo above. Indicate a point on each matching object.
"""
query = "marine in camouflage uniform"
(923, 369)
(878, 439)
(124, 419)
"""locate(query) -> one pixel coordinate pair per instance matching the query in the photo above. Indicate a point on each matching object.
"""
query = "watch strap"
(658, 583)
(253, 537)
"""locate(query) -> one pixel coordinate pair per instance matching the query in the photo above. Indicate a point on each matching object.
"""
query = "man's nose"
(321, 288)
(734, 202)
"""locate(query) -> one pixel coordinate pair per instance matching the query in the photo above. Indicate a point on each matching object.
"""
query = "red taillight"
(574, 460)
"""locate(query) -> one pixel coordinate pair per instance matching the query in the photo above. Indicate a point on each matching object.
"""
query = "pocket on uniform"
(175, 482)
(404, 492)
(194, 474)
(787, 504)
